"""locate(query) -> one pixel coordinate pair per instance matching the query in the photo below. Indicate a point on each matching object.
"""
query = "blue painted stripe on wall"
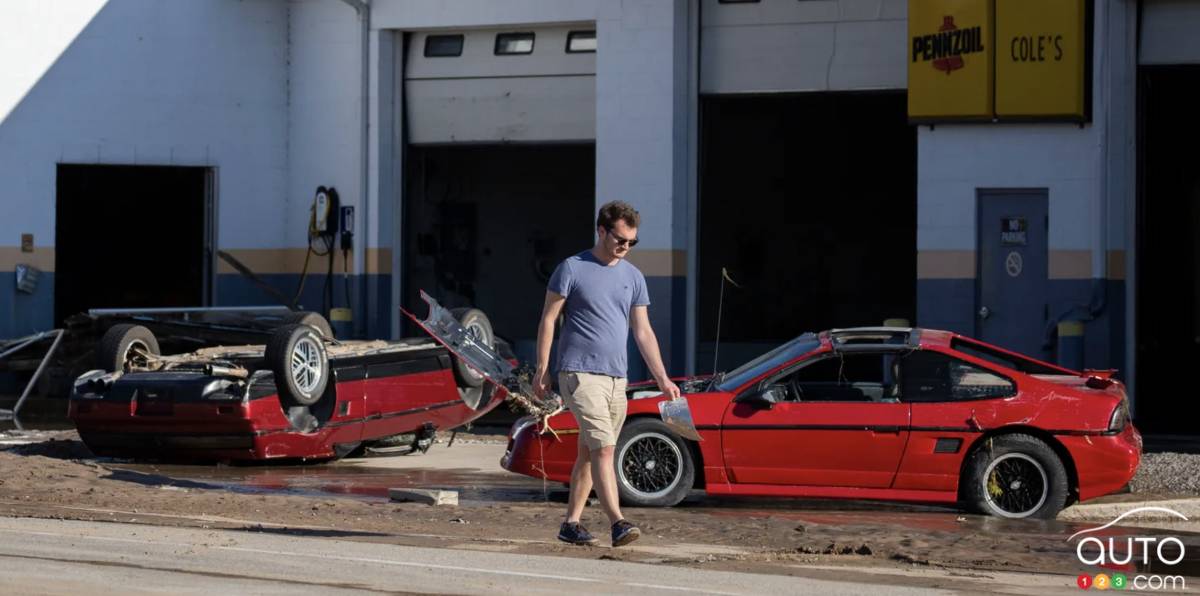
(24, 314)
(668, 316)
(235, 290)
(950, 304)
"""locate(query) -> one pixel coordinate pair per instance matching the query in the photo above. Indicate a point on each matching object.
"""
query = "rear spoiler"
(1099, 378)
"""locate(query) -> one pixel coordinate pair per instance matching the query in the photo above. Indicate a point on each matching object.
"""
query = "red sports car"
(302, 395)
(870, 413)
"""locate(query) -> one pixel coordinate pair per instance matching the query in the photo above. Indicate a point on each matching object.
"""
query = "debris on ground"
(424, 496)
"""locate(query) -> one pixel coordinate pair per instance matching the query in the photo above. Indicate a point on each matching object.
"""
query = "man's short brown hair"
(612, 211)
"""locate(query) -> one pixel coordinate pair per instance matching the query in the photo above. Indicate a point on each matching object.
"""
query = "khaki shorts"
(598, 403)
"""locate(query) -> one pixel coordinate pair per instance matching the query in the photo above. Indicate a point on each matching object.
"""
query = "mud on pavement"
(58, 478)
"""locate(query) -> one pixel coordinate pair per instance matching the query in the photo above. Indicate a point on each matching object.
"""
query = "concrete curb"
(1109, 511)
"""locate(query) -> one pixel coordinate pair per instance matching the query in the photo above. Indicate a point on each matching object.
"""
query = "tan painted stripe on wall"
(1062, 264)
(41, 257)
(1070, 264)
(946, 264)
(660, 263)
(1116, 264)
(1077, 264)
(291, 261)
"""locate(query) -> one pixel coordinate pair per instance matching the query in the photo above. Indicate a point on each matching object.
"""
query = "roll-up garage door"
(1169, 32)
(785, 45)
(522, 84)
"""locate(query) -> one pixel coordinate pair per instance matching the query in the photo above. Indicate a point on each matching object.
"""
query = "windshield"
(775, 358)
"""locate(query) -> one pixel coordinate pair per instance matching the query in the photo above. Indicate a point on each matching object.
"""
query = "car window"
(842, 377)
(771, 360)
(1014, 361)
(927, 376)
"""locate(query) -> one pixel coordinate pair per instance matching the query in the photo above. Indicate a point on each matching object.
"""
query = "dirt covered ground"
(57, 477)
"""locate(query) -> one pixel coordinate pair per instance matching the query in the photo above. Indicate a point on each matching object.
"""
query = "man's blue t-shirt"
(599, 299)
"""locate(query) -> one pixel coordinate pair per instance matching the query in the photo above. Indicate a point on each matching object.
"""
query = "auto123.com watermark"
(1130, 552)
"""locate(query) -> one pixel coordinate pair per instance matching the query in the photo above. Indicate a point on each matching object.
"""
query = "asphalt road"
(71, 557)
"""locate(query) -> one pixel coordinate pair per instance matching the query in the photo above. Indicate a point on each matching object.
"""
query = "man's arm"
(545, 336)
(647, 342)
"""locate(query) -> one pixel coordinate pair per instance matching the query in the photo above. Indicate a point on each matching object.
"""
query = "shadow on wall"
(133, 82)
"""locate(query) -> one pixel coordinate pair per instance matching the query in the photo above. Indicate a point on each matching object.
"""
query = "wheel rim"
(306, 364)
(479, 335)
(1015, 485)
(650, 465)
(135, 356)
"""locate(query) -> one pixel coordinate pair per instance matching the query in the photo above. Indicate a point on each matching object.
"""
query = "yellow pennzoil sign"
(950, 59)
(1041, 58)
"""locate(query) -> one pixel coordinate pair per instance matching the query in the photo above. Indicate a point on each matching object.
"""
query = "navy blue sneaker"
(575, 533)
(624, 532)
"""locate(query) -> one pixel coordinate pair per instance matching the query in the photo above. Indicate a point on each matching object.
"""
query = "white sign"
(1013, 264)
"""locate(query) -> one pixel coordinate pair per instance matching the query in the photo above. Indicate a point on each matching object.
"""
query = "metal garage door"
(1168, 34)
(511, 85)
(785, 45)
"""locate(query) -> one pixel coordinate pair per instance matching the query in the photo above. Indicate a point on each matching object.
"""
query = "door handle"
(886, 429)
(984, 312)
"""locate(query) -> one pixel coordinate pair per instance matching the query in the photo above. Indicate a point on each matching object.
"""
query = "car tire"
(1015, 476)
(117, 345)
(312, 319)
(304, 384)
(476, 323)
(654, 465)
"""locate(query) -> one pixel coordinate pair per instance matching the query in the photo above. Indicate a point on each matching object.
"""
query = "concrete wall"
(642, 147)
(187, 82)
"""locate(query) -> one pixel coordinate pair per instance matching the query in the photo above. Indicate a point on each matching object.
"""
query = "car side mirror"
(765, 397)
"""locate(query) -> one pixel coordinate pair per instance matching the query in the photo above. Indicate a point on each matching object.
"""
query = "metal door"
(1011, 307)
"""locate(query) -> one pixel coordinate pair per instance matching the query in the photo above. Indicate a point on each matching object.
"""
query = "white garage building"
(475, 139)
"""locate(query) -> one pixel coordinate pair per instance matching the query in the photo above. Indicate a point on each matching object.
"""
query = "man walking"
(604, 296)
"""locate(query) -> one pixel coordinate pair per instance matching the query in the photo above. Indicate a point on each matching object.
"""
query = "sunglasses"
(631, 242)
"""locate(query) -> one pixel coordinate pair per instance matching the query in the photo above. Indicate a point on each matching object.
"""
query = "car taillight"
(1119, 418)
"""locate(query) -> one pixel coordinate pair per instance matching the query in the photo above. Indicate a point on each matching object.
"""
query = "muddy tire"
(124, 347)
(654, 465)
(312, 319)
(296, 356)
(1015, 476)
(477, 324)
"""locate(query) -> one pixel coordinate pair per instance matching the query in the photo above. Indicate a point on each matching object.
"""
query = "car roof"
(872, 338)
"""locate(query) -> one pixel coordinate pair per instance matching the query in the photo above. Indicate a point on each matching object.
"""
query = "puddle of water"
(474, 487)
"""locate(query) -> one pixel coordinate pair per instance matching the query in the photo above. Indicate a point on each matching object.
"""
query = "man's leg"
(581, 483)
(606, 483)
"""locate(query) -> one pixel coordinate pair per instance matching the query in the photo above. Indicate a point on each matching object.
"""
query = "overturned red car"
(300, 396)
(870, 413)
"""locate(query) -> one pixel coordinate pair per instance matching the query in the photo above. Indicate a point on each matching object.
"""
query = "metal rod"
(24, 341)
(720, 307)
(33, 381)
(199, 309)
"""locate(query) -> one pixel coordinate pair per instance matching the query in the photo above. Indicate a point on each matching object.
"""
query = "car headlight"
(1119, 418)
(521, 424)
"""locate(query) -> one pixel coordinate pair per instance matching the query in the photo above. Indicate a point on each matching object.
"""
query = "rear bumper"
(1104, 463)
